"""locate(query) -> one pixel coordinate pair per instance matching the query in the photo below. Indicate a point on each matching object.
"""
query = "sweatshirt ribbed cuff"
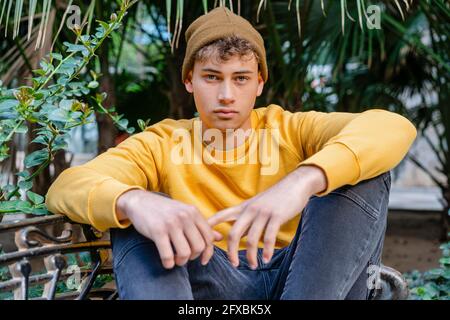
(102, 204)
(339, 164)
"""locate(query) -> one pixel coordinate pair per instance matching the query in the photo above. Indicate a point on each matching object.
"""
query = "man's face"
(225, 91)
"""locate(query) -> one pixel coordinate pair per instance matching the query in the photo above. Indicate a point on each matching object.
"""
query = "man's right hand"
(169, 222)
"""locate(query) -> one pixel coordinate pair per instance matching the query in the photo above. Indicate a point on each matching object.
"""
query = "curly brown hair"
(224, 48)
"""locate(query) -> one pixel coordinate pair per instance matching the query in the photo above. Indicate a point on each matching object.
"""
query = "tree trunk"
(107, 131)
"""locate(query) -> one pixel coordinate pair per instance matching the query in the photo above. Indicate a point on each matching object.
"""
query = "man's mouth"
(225, 113)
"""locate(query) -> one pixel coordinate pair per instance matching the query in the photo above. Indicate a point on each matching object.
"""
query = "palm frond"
(63, 20)
(42, 26)
(7, 16)
(31, 12)
(3, 11)
(17, 15)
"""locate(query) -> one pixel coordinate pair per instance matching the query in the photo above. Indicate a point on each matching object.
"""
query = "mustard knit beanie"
(216, 24)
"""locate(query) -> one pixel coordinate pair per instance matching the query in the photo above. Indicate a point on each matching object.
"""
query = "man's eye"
(211, 77)
(242, 79)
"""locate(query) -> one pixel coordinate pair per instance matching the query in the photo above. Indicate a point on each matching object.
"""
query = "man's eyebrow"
(217, 71)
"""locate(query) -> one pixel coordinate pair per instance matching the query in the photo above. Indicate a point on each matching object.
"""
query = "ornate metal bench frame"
(34, 241)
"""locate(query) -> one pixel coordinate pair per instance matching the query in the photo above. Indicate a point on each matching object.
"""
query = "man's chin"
(227, 127)
(224, 125)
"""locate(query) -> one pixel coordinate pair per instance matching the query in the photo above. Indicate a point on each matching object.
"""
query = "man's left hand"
(268, 211)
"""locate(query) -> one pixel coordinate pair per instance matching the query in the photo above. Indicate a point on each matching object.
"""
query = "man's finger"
(217, 235)
(197, 240)
(228, 214)
(254, 234)
(270, 237)
(234, 236)
(181, 245)
(165, 251)
(208, 236)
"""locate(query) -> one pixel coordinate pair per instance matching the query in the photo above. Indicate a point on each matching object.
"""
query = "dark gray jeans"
(337, 245)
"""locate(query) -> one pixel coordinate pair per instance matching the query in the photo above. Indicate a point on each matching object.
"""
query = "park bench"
(41, 247)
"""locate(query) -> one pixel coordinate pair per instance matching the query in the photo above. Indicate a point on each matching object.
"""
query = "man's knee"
(124, 240)
(371, 194)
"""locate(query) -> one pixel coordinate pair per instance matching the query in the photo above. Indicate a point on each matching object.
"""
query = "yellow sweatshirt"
(169, 157)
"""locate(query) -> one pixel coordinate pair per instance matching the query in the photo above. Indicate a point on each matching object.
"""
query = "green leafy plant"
(433, 284)
(57, 101)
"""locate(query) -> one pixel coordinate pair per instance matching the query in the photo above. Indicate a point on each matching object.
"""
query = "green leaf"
(56, 56)
(36, 158)
(63, 80)
(40, 211)
(445, 261)
(100, 97)
(46, 67)
(39, 72)
(446, 275)
(141, 124)
(41, 139)
(122, 123)
(25, 185)
(103, 25)
(431, 289)
(24, 206)
(66, 104)
(59, 143)
(9, 187)
(35, 198)
(66, 69)
(47, 108)
(75, 47)
(24, 174)
(23, 128)
(59, 115)
(9, 205)
(7, 105)
(38, 95)
(93, 84)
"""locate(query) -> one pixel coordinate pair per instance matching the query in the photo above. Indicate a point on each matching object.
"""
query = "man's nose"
(226, 95)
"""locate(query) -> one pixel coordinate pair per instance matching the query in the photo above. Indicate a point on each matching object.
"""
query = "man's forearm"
(311, 177)
(122, 202)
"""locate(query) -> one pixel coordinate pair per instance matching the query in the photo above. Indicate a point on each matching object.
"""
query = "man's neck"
(231, 138)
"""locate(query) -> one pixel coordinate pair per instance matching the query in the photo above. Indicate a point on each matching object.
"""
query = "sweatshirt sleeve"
(88, 193)
(352, 147)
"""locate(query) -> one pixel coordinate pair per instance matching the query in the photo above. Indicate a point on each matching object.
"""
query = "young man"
(241, 203)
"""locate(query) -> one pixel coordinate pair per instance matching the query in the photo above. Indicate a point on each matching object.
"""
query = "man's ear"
(260, 85)
(188, 83)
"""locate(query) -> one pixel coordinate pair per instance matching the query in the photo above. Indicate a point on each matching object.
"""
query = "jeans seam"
(290, 269)
(266, 285)
(366, 244)
(387, 180)
(372, 212)
(265, 279)
(123, 253)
